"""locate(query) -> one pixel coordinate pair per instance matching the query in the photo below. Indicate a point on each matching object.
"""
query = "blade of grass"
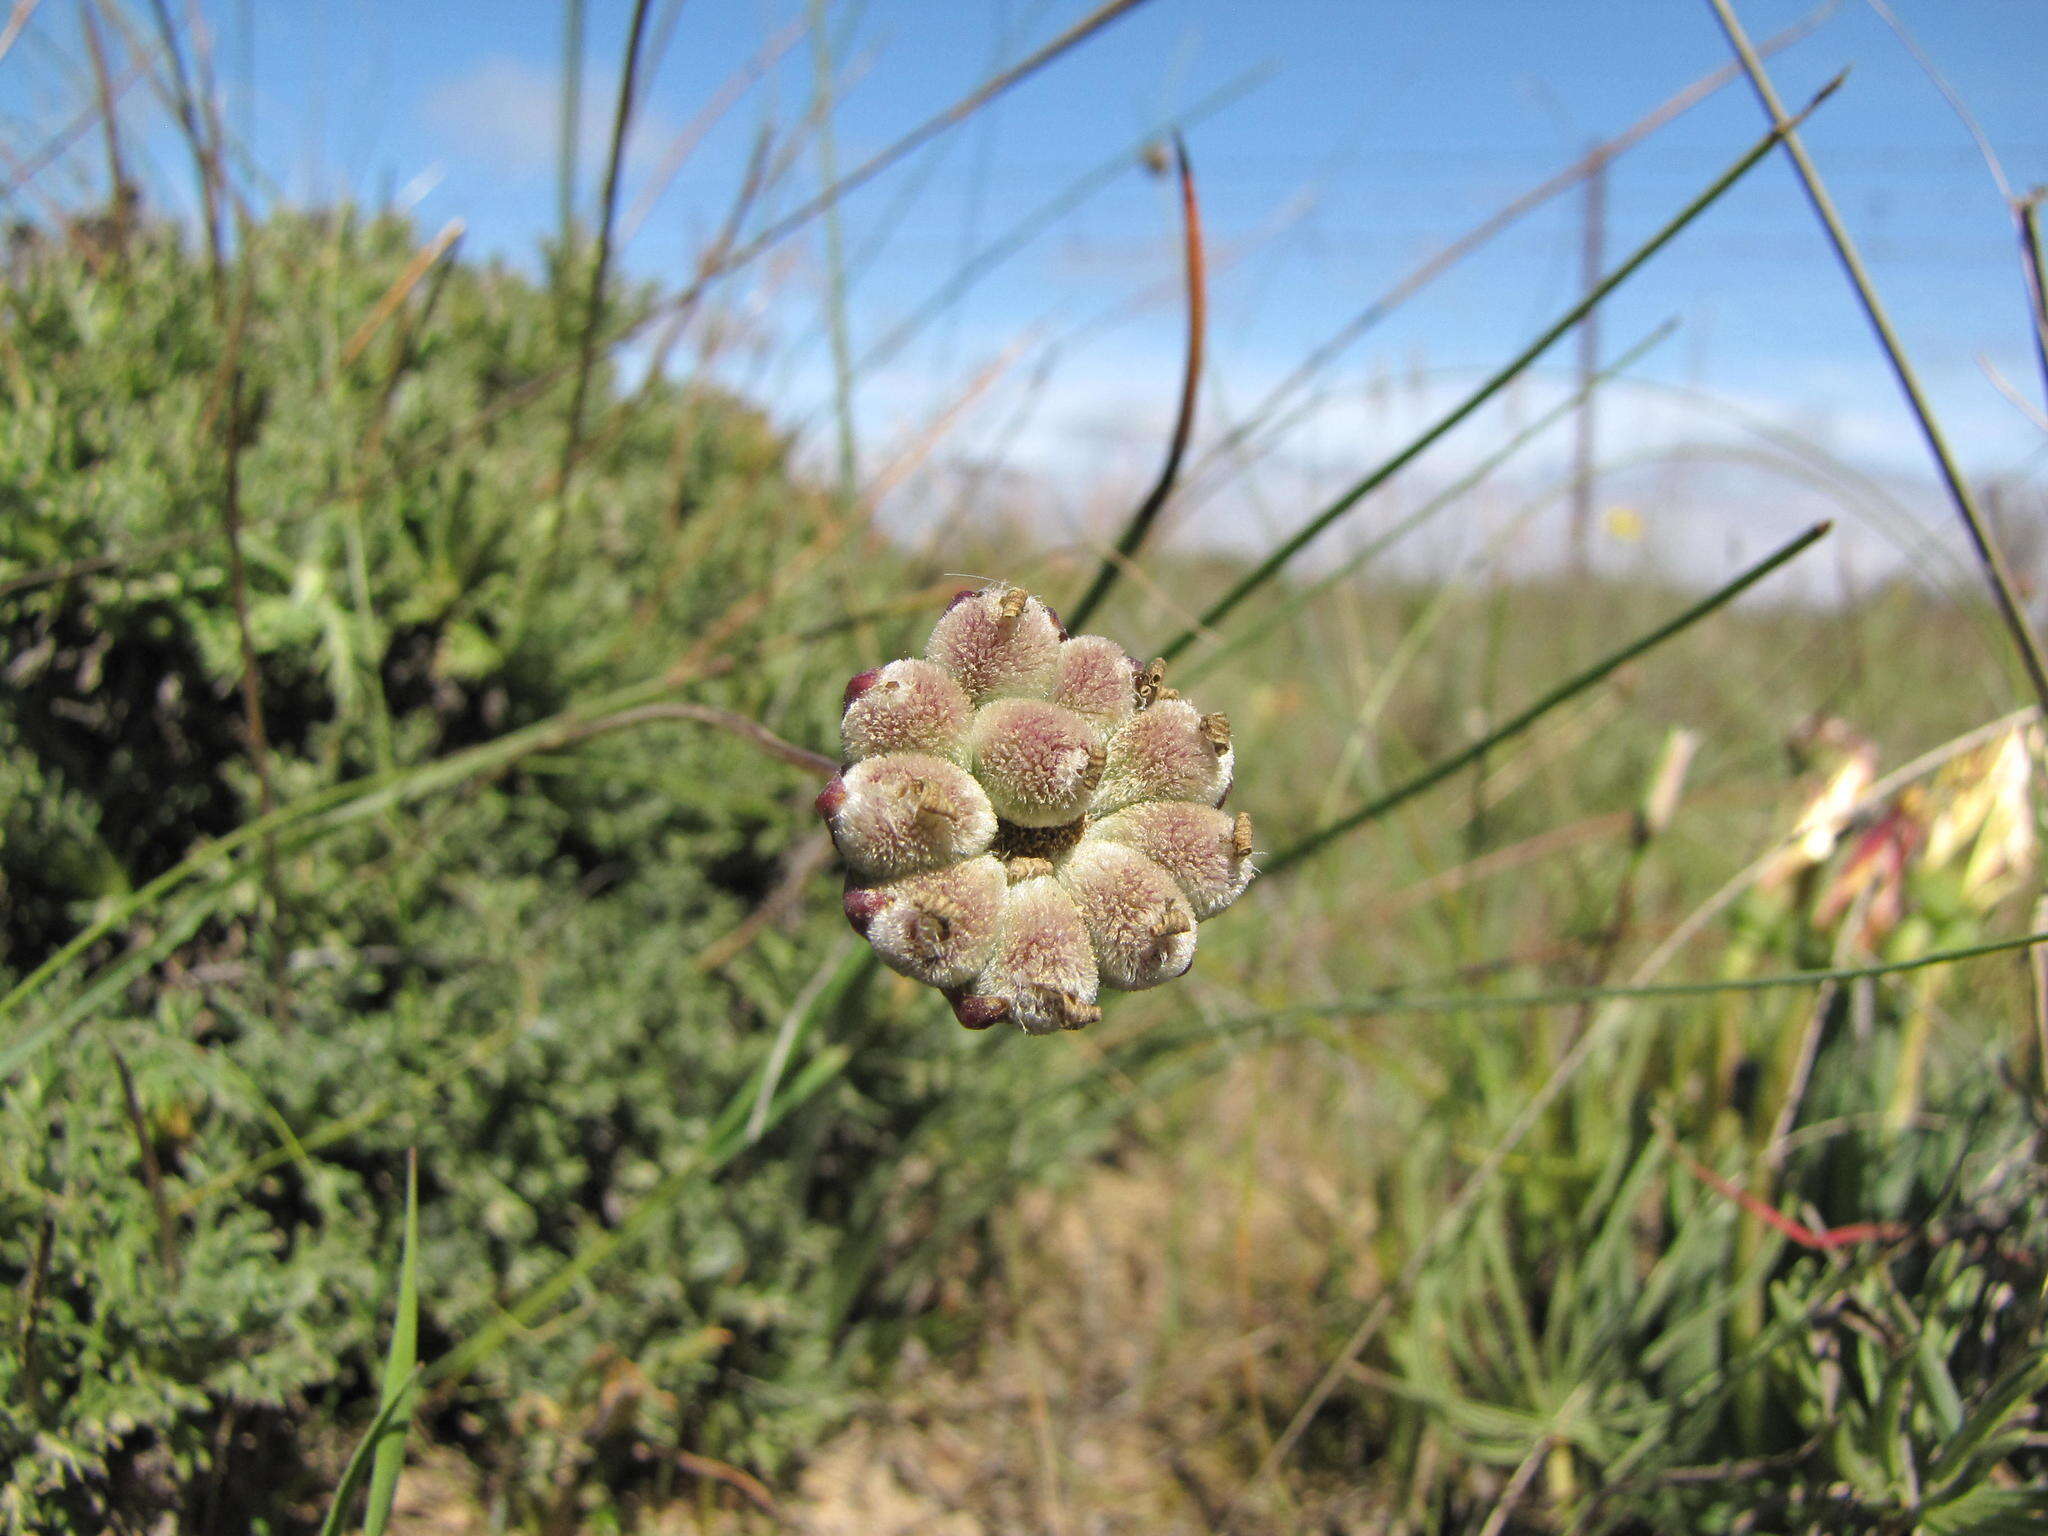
(684, 144)
(1568, 689)
(945, 299)
(1558, 997)
(734, 255)
(1184, 423)
(569, 124)
(16, 20)
(2022, 208)
(399, 1364)
(593, 304)
(2027, 216)
(1302, 537)
(1150, 1051)
(835, 253)
(1294, 602)
(358, 1466)
(1986, 546)
(381, 1450)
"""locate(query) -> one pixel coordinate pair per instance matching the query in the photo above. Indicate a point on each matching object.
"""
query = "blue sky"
(1335, 145)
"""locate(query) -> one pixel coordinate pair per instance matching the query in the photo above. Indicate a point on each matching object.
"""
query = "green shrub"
(505, 975)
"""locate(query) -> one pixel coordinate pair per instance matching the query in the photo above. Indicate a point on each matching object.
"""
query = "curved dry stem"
(1114, 563)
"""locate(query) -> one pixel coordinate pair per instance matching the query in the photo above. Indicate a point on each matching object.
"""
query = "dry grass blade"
(16, 20)
(957, 113)
(1989, 555)
(750, 731)
(944, 299)
(910, 142)
(120, 191)
(1149, 509)
(692, 134)
(826, 142)
(422, 262)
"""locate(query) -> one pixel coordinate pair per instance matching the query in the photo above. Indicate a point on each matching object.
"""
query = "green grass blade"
(1146, 1053)
(1371, 811)
(399, 1365)
(1571, 996)
(1302, 537)
(358, 1466)
(1295, 601)
(2001, 1410)
(380, 1453)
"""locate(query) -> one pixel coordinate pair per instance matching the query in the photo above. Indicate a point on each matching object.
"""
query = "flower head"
(1028, 817)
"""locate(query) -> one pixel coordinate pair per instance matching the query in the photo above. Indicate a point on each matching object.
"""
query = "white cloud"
(506, 113)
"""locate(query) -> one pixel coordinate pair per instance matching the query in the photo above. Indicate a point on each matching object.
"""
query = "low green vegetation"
(548, 971)
(508, 878)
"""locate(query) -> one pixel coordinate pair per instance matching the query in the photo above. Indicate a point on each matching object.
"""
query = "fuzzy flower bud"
(1028, 818)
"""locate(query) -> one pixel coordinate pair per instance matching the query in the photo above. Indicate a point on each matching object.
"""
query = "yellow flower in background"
(1983, 824)
(1624, 524)
(1847, 763)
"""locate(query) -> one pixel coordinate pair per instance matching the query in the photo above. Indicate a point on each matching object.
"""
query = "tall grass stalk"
(1982, 539)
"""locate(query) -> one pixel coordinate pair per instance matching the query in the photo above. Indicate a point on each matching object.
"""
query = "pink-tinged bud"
(1038, 762)
(1197, 845)
(831, 798)
(1043, 967)
(1097, 681)
(862, 907)
(999, 644)
(1169, 751)
(907, 706)
(941, 927)
(859, 684)
(977, 1012)
(1142, 928)
(906, 811)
